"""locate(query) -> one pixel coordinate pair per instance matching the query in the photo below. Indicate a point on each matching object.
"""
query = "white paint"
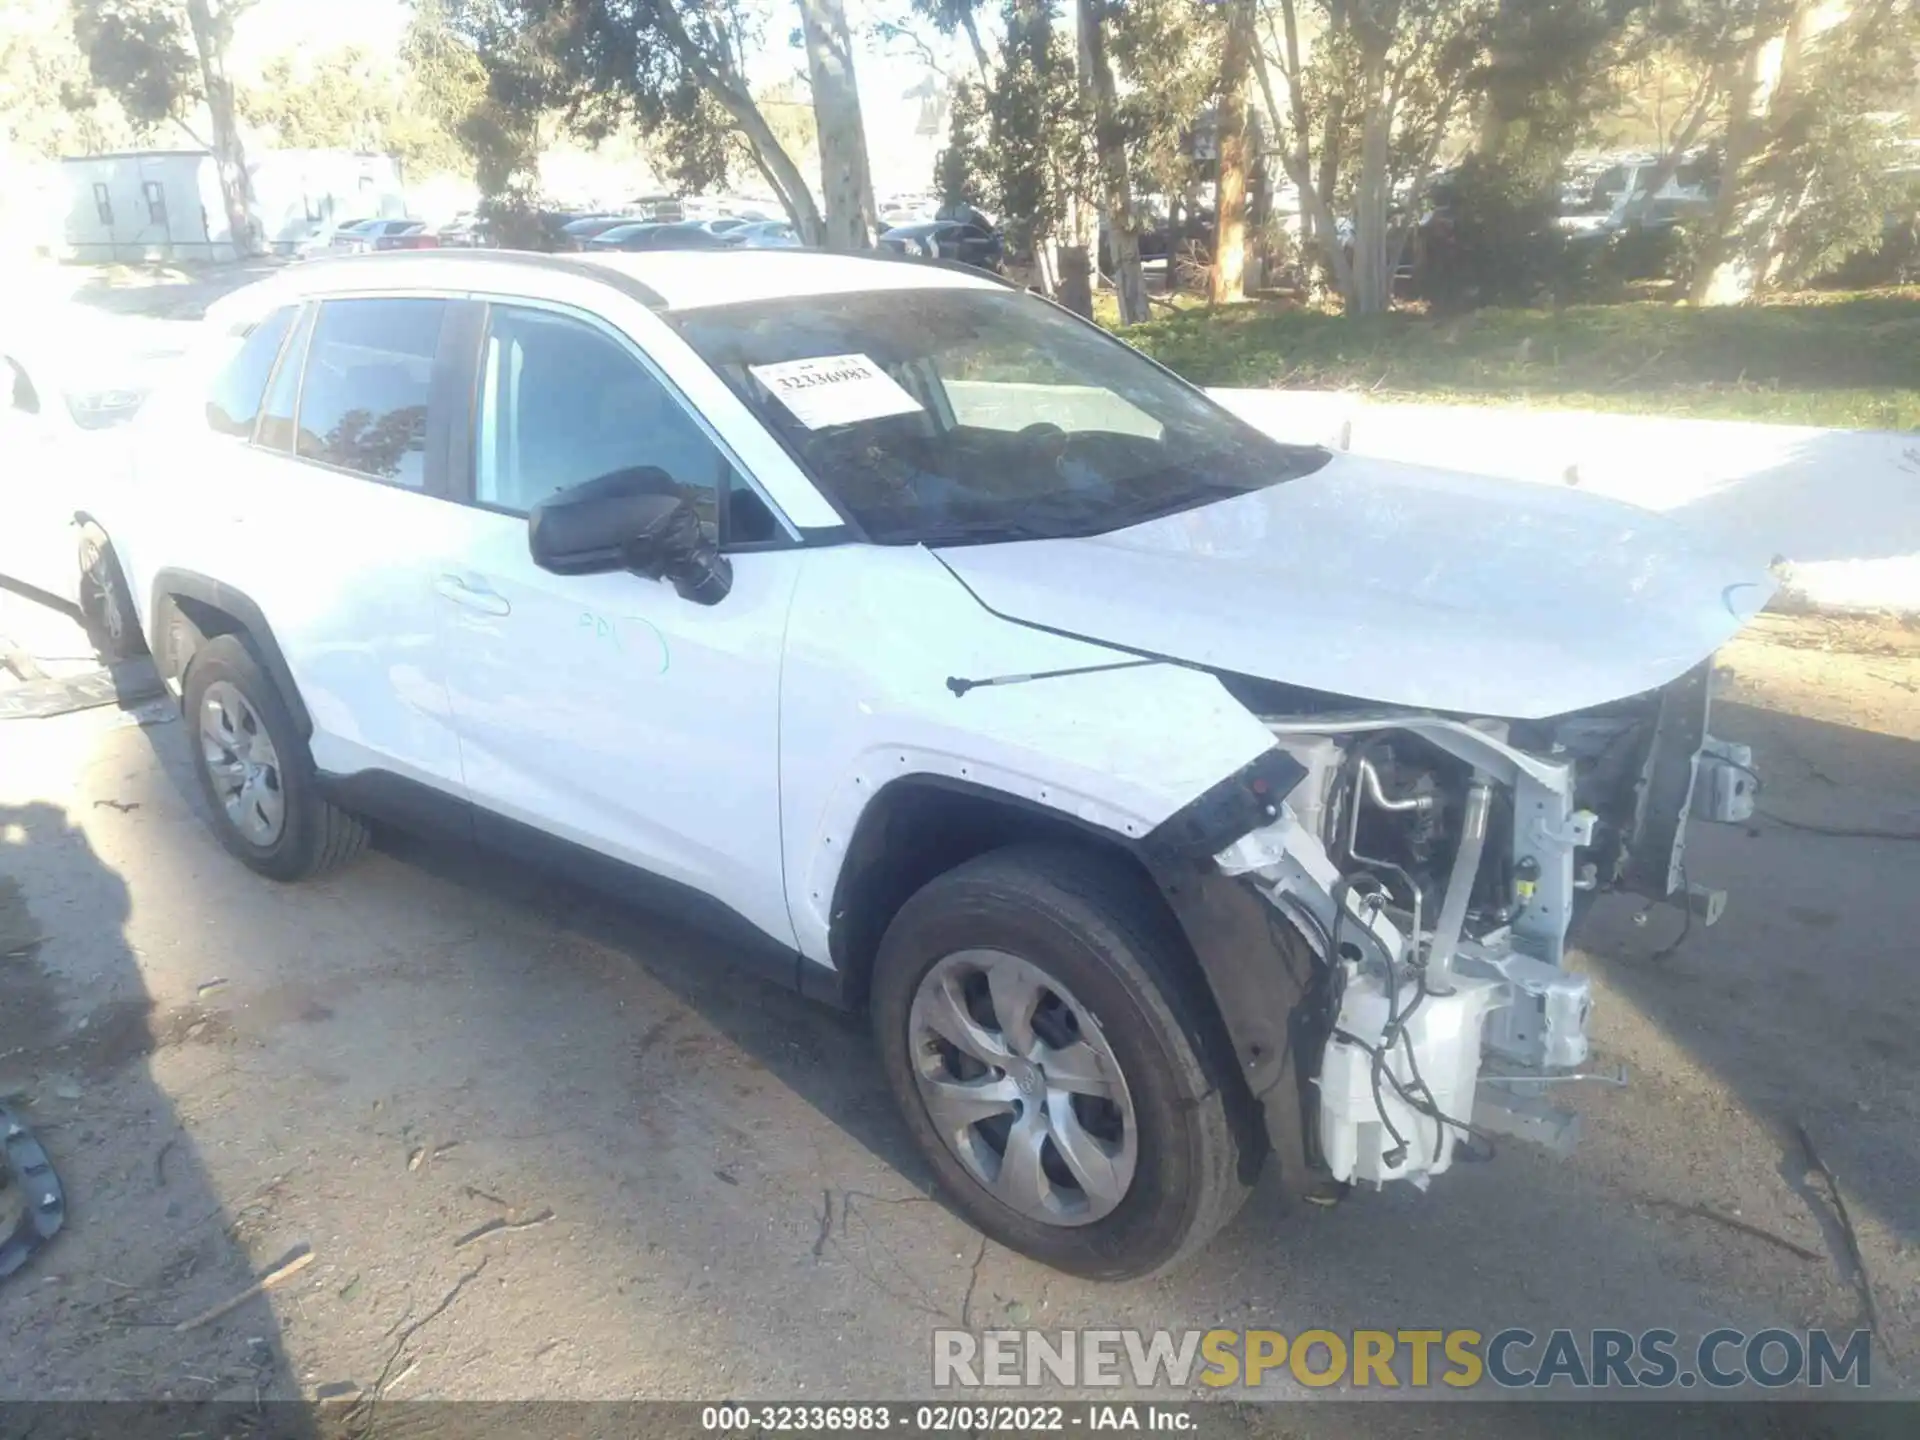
(874, 635)
(831, 390)
(1395, 584)
(687, 279)
(1842, 507)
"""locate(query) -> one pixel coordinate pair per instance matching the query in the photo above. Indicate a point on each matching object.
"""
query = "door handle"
(473, 598)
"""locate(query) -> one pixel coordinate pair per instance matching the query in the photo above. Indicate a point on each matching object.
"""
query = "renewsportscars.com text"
(1513, 1358)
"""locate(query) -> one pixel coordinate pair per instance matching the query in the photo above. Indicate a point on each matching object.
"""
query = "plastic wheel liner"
(32, 1205)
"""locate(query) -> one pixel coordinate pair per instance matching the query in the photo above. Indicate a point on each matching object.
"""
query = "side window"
(102, 203)
(276, 430)
(562, 402)
(363, 392)
(233, 401)
(156, 198)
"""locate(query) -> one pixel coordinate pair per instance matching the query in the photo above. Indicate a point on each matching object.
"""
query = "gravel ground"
(543, 1148)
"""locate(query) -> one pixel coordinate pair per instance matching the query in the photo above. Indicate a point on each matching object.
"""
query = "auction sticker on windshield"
(834, 390)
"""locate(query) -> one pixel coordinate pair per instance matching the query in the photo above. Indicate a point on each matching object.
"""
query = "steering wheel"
(1041, 430)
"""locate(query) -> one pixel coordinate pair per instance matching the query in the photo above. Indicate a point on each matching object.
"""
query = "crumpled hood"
(1395, 584)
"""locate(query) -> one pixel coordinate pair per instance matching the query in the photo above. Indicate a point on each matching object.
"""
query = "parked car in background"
(768, 235)
(366, 236)
(322, 239)
(399, 235)
(579, 232)
(947, 240)
(682, 235)
(465, 231)
(63, 406)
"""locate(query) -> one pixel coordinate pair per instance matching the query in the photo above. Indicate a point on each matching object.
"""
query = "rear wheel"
(1048, 1045)
(256, 770)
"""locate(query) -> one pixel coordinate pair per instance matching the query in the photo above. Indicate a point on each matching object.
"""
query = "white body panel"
(608, 711)
(354, 609)
(874, 636)
(1395, 584)
(343, 566)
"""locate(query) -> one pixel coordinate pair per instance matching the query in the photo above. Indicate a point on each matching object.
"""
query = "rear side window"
(276, 413)
(363, 393)
(233, 401)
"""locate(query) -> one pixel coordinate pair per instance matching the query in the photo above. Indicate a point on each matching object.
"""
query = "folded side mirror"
(630, 520)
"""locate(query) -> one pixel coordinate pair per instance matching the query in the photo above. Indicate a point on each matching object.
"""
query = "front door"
(606, 710)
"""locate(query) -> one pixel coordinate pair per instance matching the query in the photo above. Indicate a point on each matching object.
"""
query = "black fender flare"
(175, 631)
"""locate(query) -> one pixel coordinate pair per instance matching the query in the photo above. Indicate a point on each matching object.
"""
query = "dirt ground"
(542, 1148)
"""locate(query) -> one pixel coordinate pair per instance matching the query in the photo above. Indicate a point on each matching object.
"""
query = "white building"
(166, 205)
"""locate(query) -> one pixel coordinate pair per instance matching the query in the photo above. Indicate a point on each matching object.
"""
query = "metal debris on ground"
(32, 1205)
(125, 684)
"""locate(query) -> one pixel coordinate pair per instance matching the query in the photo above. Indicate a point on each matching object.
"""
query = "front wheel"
(1052, 1053)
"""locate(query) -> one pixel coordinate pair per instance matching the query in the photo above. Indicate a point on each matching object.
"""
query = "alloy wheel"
(243, 764)
(1020, 1082)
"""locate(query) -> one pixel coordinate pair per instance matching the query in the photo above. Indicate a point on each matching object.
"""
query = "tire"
(1102, 946)
(229, 702)
(106, 603)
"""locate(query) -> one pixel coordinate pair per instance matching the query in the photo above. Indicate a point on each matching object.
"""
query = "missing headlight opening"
(1434, 866)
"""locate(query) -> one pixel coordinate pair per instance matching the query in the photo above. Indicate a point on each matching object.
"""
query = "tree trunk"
(1372, 283)
(1083, 213)
(846, 188)
(210, 36)
(720, 78)
(980, 56)
(1110, 145)
(1227, 279)
(1731, 266)
(773, 162)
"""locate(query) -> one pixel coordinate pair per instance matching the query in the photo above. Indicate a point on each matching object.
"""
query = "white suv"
(1176, 799)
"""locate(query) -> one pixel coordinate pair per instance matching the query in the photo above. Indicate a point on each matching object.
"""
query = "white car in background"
(61, 427)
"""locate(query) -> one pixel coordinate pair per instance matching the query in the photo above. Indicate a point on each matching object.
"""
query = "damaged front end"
(1431, 868)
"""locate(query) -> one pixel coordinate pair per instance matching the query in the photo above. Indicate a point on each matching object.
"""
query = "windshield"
(944, 416)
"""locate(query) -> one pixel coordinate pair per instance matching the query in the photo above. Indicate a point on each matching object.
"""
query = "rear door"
(339, 525)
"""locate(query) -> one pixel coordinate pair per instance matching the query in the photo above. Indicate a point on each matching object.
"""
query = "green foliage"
(50, 105)
(1493, 240)
(141, 53)
(1038, 153)
(1823, 184)
(960, 169)
(344, 99)
(1166, 56)
(1846, 361)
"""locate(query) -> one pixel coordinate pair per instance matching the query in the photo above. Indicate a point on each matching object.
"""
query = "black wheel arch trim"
(170, 586)
(1258, 974)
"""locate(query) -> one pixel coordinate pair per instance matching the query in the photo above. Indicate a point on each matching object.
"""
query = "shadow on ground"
(148, 1243)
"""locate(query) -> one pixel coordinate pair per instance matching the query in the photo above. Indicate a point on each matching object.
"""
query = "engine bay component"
(32, 1205)
(1399, 1077)
(1432, 864)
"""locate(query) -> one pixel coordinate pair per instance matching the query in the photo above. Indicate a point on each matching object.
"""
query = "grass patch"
(1846, 360)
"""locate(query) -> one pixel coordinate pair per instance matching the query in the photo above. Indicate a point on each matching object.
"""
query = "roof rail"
(531, 259)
